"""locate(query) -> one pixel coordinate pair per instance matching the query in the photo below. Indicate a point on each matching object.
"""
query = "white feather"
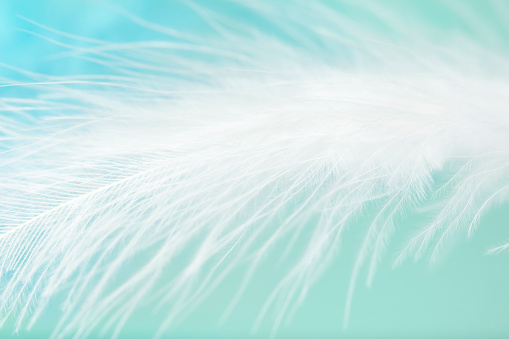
(213, 149)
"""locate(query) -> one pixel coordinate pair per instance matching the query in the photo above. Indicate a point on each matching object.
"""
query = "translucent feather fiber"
(211, 150)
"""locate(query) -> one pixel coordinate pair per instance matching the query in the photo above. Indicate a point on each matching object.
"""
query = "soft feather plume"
(198, 149)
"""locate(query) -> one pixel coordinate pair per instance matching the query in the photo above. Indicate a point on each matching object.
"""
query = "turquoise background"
(464, 296)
